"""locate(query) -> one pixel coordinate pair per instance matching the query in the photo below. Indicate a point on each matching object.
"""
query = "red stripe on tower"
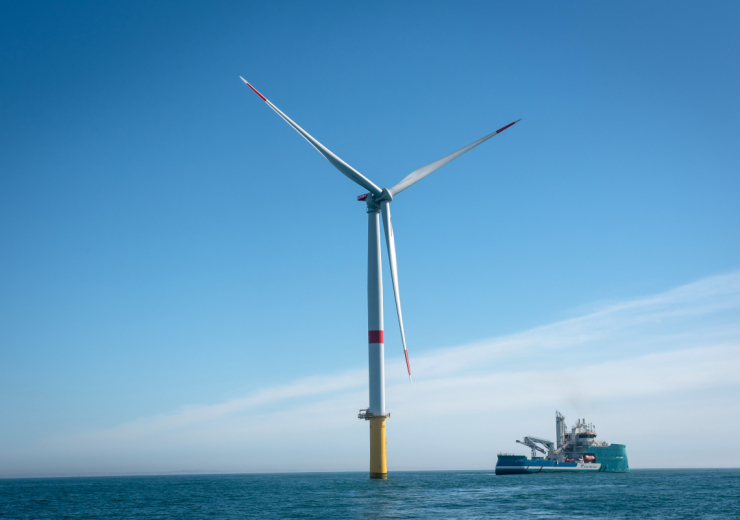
(375, 336)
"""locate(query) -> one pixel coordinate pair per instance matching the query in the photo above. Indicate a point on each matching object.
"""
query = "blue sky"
(169, 243)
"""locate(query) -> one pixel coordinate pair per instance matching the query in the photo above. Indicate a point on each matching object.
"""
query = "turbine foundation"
(378, 460)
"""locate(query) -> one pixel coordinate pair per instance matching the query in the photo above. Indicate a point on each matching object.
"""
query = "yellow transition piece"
(378, 462)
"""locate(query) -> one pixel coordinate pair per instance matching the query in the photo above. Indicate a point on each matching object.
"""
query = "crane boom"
(532, 444)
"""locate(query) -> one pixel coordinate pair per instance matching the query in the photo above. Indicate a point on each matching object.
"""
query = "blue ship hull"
(609, 459)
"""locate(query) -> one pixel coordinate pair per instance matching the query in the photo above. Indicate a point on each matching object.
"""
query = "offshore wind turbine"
(378, 203)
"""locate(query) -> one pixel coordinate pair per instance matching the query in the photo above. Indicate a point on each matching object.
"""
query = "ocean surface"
(443, 494)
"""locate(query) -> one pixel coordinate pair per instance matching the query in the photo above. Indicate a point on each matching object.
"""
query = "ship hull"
(608, 459)
(536, 466)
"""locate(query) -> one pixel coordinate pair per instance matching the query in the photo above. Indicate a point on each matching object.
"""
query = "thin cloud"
(707, 296)
(680, 344)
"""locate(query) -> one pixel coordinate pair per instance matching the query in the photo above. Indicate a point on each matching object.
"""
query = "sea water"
(443, 494)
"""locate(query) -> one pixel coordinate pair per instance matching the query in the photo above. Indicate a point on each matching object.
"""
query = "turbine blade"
(422, 172)
(338, 163)
(390, 242)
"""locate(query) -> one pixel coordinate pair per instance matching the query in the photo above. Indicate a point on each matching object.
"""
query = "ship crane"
(561, 448)
(532, 442)
(532, 446)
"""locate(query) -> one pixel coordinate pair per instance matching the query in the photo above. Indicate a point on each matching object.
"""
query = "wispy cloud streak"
(672, 311)
(654, 352)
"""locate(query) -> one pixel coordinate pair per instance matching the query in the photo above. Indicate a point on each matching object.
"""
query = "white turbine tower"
(378, 202)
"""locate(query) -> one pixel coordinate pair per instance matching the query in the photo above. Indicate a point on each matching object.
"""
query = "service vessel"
(576, 451)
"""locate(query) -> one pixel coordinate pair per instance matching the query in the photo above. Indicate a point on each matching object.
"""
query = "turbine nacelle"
(385, 194)
(374, 201)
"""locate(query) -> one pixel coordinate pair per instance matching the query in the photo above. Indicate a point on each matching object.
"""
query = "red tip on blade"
(363, 196)
(406, 353)
(500, 129)
(260, 95)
